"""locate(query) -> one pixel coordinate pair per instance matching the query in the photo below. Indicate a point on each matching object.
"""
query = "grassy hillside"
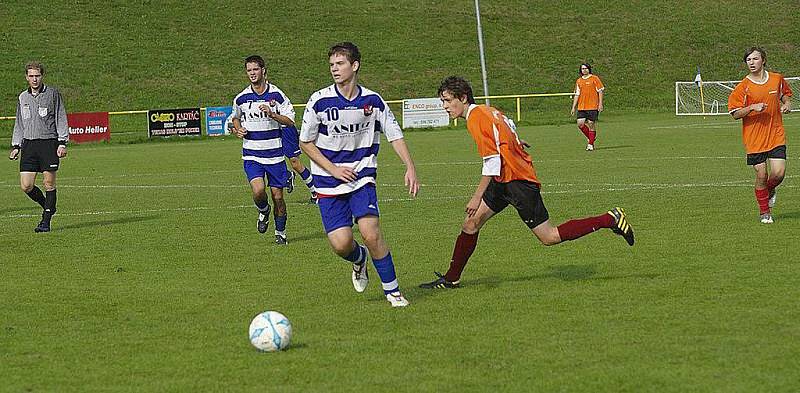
(122, 55)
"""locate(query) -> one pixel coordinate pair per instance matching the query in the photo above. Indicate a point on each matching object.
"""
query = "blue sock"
(358, 255)
(306, 175)
(262, 205)
(280, 223)
(385, 268)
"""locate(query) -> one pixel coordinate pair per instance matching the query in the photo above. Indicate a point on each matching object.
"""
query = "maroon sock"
(585, 130)
(773, 182)
(762, 196)
(465, 246)
(592, 136)
(574, 229)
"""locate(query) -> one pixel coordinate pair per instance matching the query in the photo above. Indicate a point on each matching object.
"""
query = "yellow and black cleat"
(621, 225)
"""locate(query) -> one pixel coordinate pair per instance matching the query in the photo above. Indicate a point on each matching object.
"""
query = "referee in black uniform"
(40, 137)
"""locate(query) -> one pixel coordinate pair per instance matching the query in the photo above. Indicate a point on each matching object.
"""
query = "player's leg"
(591, 124)
(364, 205)
(305, 174)
(276, 175)
(492, 202)
(582, 124)
(29, 166)
(255, 176)
(761, 191)
(48, 165)
(337, 219)
(777, 170)
(27, 183)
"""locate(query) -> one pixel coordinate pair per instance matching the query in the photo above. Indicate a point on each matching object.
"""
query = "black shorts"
(521, 194)
(758, 158)
(39, 155)
(588, 115)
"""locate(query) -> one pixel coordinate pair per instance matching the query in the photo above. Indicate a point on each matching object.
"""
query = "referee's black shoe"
(621, 226)
(440, 283)
(44, 225)
(263, 220)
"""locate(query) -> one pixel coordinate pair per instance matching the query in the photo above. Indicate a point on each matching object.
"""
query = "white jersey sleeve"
(311, 120)
(389, 123)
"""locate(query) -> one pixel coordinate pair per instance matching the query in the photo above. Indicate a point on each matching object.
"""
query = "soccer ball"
(270, 331)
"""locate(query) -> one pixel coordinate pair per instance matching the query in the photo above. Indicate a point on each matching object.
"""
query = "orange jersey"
(588, 91)
(498, 145)
(761, 131)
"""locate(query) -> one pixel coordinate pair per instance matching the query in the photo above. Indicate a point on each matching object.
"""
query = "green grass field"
(154, 269)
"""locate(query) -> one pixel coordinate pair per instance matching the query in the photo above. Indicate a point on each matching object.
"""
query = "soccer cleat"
(589, 147)
(766, 218)
(621, 226)
(396, 299)
(440, 283)
(773, 196)
(360, 274)
(280, 239)
(290, 183)
(44, 226)
(263, 220)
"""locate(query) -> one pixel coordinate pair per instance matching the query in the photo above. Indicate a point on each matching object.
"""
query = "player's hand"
(240, 132)
(344, 173)
(411, 181)
(61, 152)
(600, 107)
(472, 206)
(572, 112)
(14, 154)
(524, 144)
(759, 106)
(786, 108)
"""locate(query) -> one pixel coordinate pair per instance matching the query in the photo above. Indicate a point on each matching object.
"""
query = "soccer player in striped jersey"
(508, 177)
(341, 131)
(760, 100)
(260, 112)
(589, 102)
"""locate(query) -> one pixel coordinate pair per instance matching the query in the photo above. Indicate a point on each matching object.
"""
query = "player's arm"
(16, 136)
(400, 147)
(61, 126)
(475, 201)
(275, 115)
(575, 99)
(340, 172)
(600, 94)
(742, 112)
(786, 104)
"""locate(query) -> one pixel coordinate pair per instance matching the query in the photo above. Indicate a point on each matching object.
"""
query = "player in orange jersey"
(508, 178)
(759, 100)
(589, 102)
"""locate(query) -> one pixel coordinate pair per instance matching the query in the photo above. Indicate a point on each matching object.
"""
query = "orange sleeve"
(598, 84)
(786, 90)
(737, 98)
(482, 131)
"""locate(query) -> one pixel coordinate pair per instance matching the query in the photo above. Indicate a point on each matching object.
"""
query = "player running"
(508, 177)
(260, 113)
(759, 100)
(341, 131)
(589, 101)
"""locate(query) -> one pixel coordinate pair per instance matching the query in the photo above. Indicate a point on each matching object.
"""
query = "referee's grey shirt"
(40, 116)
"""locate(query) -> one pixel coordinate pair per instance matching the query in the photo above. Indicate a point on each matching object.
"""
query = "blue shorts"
(277, 175)
(343, 210)
(290, 139)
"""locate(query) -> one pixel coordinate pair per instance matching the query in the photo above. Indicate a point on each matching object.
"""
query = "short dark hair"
(758, 49)
(255, 59)
(34, 65)
(458, 87)
(347, 49)
(587, 65)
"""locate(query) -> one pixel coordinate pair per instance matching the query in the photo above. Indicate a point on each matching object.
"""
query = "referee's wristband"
(15, 147)
(62, 143)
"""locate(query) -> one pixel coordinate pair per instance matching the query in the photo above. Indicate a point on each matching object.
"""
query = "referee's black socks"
(37, 196)
(50, 202)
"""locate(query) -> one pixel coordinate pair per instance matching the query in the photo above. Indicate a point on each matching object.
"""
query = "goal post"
(711, 98)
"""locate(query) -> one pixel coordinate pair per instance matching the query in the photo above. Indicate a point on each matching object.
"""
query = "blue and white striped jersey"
(262, 143)
(347, 132)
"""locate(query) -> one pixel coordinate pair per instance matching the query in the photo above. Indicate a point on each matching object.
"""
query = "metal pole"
(480, 47)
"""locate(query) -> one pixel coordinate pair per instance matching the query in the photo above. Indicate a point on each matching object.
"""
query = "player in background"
(40, 136)
(260, 113)
(589, 102)
(341, 131)
(508, 177)
(759, 100)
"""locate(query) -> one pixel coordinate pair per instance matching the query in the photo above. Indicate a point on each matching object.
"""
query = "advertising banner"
(215, 120)
(168, 122)
(424, 112)
(88, 127)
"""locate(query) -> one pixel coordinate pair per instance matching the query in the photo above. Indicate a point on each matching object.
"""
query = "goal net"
(713, 100)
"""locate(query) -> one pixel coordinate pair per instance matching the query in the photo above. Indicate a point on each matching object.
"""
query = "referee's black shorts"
(39, 155)
(523, 195)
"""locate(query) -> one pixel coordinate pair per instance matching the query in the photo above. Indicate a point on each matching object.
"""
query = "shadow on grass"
(562, 272)
(123, 220)
(613, 147)
(790, 215)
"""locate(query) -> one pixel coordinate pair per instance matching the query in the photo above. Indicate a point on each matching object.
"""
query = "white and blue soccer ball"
(270, 331)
